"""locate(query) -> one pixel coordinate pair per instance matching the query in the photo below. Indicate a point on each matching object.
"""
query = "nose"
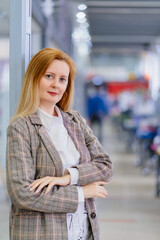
(55, 83)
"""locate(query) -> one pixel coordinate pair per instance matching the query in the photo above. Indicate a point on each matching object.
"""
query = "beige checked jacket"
(32, 155)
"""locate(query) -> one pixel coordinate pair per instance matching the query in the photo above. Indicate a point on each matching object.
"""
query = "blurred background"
(116, 47)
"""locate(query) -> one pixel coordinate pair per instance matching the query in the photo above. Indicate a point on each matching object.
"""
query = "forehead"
(58, 66)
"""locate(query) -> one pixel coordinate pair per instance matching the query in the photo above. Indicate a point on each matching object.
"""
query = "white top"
(76, 222)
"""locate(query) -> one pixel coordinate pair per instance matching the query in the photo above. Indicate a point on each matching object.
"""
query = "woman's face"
(54, 83)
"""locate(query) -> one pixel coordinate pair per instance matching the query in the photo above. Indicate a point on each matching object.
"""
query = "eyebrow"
(54, 74)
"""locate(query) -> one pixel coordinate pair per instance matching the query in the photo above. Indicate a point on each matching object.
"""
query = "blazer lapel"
(47, 143)
(76, 134)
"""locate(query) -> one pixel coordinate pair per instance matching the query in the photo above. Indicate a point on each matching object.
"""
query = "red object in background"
(117, 87)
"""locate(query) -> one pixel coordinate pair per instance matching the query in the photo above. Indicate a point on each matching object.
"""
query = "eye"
(49, 76)
(63, 79)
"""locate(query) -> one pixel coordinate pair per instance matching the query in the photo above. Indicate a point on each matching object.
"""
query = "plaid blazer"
(32, 155)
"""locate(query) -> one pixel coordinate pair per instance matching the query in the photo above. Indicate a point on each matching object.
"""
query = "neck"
(49, 109)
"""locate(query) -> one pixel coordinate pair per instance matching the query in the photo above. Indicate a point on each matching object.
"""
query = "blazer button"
(93, 215)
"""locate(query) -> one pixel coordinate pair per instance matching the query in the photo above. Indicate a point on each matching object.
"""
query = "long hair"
(29, 99)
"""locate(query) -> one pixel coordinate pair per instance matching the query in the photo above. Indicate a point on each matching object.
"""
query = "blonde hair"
(29, 99)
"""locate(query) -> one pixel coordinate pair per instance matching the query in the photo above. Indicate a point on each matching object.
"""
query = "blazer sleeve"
(100, 167)
(20, 172)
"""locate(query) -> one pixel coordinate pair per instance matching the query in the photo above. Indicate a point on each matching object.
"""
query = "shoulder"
(21, 124)
(77, 117)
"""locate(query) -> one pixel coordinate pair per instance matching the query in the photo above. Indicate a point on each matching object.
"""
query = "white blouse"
(76, 222)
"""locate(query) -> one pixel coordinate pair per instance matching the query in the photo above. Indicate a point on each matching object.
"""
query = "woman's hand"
(39, 184)
(95, 190)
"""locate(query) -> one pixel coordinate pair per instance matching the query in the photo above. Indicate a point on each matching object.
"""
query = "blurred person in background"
(97, 110)
(55, 165)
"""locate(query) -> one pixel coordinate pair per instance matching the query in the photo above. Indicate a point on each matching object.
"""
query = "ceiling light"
(84, 25)
(81, 20)
(80, 15)
(82, 7)
(76, 35)
(47, 8)
(81, 34)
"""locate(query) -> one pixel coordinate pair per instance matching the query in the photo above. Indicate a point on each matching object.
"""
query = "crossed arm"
(94, 189)
(21, 172)
(63, 199)
(91, 183)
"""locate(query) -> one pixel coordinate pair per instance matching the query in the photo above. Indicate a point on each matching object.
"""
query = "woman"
(55, 166)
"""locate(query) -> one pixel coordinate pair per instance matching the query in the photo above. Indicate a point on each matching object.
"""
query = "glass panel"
(4, 115)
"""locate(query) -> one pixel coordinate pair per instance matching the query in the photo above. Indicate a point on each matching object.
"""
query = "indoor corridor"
(131, 211)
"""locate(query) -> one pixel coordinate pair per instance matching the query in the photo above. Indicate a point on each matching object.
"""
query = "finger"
(102, 191)
(40, 179)
(37, 182)
(42, 185)
(50, 186)
(101, 195)
(35, 185)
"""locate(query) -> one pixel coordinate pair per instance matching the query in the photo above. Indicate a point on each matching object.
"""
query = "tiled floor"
(131, 212)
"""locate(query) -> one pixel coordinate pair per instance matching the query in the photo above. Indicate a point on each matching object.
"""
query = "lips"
(53, 93)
